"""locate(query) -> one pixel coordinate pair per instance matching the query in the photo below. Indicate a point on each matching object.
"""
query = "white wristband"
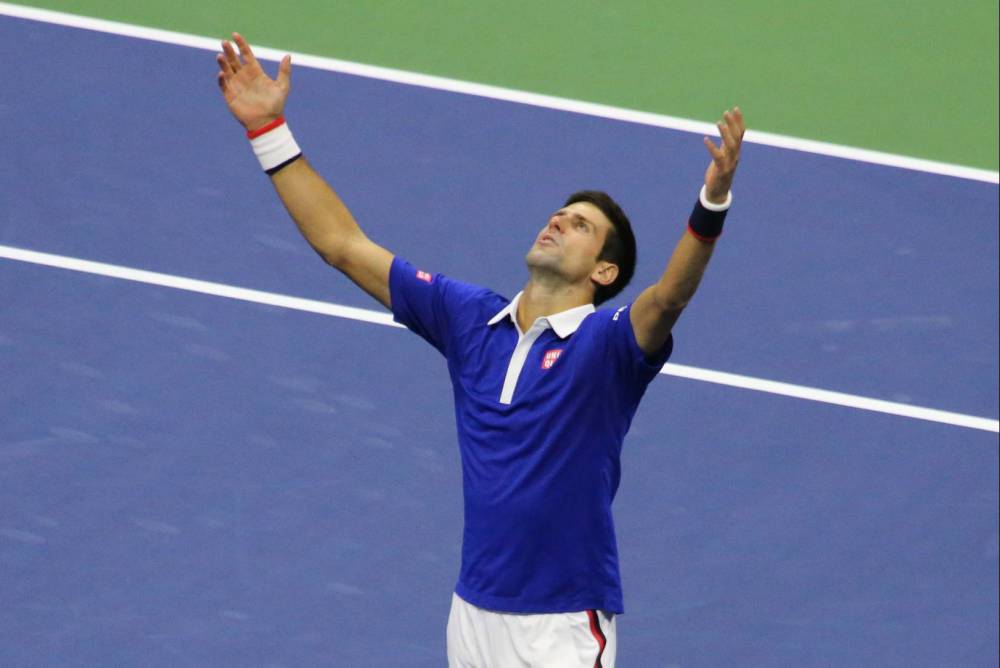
(715, 207)
(274, 145)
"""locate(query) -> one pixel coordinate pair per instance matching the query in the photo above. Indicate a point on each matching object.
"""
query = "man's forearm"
(680, 280)
(690, 257)
(319, 213)
(257, 102)
(657, 309)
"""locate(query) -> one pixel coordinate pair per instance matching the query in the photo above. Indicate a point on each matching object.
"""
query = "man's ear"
(605, 273)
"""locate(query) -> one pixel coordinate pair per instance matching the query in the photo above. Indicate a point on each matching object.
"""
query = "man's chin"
(538, 259)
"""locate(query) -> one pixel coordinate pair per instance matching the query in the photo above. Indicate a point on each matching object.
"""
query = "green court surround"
(917, 78)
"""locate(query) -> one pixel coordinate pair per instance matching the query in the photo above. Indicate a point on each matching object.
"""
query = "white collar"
(563, 323)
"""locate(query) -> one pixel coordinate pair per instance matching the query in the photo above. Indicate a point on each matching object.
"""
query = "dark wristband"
(704, 224)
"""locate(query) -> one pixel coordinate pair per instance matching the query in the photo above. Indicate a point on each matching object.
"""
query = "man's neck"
(540, 299)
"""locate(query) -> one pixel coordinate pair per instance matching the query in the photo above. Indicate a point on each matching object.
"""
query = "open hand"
(254, 98)
(725, 157)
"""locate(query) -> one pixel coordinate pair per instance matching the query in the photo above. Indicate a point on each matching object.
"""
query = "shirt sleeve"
(430, 305)
(624, 349)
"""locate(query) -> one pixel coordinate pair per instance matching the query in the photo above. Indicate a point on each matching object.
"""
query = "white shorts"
(479, 638)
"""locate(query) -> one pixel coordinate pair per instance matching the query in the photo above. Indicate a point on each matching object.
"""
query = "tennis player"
(545, 385)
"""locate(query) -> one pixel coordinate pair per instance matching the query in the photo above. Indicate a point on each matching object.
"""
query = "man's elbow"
(671, 300)
(332, 255)
(336, 251)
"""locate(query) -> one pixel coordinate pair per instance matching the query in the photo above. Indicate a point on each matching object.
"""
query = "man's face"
(569, 244)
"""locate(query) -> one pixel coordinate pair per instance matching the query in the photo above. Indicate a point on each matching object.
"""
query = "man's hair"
(619, 246)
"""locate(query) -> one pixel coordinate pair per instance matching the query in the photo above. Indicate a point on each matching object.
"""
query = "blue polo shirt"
(541, 416)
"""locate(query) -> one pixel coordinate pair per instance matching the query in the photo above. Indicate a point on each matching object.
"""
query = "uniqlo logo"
(424, 276)
(550, 357)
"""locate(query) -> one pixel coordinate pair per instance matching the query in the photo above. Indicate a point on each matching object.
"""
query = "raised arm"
(660, 305)
(257, 102)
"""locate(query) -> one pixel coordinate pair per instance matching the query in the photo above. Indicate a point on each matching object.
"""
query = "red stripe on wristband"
(701, 237)
(253, 134)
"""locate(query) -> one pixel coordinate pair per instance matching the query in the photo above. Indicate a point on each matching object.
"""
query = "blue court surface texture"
(191, 480)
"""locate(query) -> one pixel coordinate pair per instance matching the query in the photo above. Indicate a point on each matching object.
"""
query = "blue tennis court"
(191, 480)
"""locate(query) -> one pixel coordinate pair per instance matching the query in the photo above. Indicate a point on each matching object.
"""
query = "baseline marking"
(505, 94)
(383, 318)
(195, 285)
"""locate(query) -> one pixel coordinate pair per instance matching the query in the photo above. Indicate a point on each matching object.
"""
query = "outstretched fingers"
(736, 118)
(713, 150)
(729, 132)
(226, 72)
(285, 73)
(245, 50)
(225, 69)
(232, 60)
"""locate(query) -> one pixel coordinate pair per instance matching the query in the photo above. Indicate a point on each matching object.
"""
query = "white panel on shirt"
(564, 324)
(524, 343)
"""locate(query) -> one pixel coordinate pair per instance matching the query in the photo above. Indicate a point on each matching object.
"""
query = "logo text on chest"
(550, 357)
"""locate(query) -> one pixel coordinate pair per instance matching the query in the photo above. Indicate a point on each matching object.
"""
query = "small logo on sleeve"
(618, 313)
(424, 276)
(550, 357)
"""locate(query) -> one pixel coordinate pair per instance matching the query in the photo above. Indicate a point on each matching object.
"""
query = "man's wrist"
(707, 218)
(260, 127)
(274, 145)
(716, 202)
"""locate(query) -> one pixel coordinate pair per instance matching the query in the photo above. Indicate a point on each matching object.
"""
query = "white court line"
(194, 285)
(383, 318)
(505, 94)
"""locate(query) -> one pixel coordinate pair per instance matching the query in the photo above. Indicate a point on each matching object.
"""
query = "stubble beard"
(541, 265)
